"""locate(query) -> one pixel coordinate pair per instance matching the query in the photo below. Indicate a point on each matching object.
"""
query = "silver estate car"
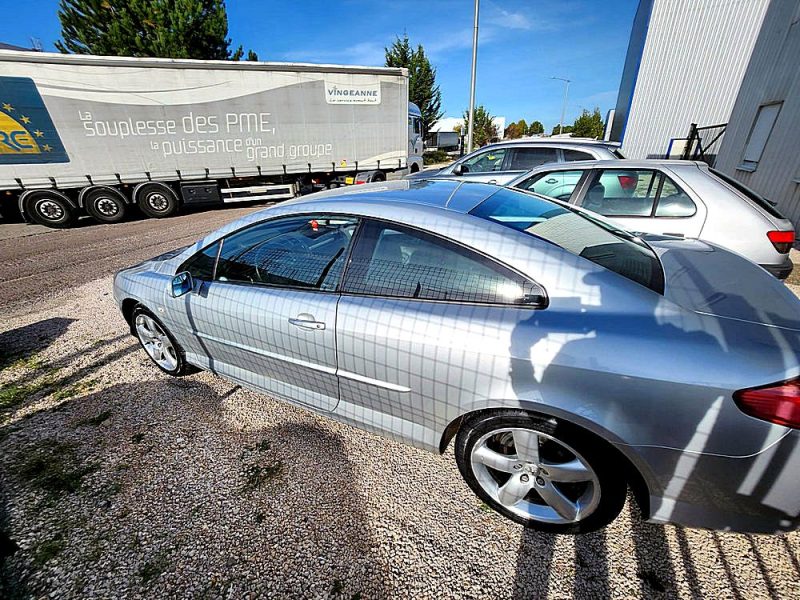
(565, 359)
(671, 197)
(500, 163)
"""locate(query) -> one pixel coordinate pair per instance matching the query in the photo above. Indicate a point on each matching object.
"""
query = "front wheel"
(541, 473)
(158, 343)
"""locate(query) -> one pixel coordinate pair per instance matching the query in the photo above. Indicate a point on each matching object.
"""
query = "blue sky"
(522, 44)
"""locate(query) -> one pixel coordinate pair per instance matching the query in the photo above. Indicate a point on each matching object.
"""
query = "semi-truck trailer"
(95, 135)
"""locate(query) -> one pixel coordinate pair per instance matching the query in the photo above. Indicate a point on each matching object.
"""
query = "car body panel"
(652, 374)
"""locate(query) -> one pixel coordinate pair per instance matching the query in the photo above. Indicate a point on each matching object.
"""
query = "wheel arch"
(24, 197)
(636, 473)
(93, 188)
(161, 184)
(128, 306)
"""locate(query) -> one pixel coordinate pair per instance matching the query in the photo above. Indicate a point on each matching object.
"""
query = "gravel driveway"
(117, 481)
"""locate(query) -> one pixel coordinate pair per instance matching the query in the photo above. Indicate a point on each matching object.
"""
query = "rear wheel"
(105, 205)
(541, 473)
(158, 343)
(50, 208)
(157, 200)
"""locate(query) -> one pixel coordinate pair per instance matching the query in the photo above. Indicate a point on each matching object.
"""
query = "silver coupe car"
(567, 360)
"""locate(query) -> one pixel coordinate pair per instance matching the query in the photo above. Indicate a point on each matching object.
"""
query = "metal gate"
(703, 143)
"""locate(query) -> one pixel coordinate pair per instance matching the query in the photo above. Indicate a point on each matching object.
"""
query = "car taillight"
(628, 182)
(782, 240)
(777, 403)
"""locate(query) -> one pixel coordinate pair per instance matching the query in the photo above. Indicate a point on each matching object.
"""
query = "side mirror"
(182, 284)
(458, 169)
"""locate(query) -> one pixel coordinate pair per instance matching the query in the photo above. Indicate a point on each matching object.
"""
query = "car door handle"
(551, 181)
(492, 181)
(305, 321)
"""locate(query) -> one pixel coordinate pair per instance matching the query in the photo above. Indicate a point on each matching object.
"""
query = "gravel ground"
(117, 481)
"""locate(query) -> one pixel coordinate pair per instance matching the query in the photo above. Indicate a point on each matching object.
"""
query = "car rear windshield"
(618, 153)
(576, 232)
(767, 205)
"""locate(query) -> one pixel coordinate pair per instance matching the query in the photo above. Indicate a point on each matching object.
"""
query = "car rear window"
(618, 153)
(758, 199)
(576, 232)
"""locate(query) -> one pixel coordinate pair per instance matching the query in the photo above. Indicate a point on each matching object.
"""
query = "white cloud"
(363, 53)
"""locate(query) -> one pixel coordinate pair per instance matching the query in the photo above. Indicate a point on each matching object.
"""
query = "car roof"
(648, 163)
(556, 141)
(449, 194)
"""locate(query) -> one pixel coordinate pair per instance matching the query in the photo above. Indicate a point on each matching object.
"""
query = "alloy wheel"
(535, 476)
(156, 342)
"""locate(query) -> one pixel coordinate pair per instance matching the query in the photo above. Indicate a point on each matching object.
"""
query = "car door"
(485, 165)
(559, 184)
(424, 325)
(643, 200)
(265, 315)
(525, 158)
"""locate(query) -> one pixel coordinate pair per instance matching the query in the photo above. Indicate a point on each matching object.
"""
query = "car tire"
(159, 344)
(105, 206)
(156, 200)
(538, 464)
(50, 209)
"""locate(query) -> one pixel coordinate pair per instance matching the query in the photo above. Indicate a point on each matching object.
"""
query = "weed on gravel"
(49, 549)
(154, 567)
(53, 467)
(94, 421)
(257, 475)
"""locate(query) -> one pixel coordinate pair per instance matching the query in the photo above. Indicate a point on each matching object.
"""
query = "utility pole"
(564, 103)
(471, 126)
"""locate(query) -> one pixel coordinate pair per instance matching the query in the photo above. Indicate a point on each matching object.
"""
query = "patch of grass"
(31, 363)
(485, 507)
(95, 420)
(48, 550)
(258, 475)
(54, 468)
(13, 394)
(154, 567)
(73, 390)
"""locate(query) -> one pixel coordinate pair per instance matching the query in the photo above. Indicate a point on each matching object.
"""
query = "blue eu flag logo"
(27, 134)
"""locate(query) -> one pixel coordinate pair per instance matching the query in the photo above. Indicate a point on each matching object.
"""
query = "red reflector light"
(360, 182)
(777, 403)
(628, 182)
(782, 240)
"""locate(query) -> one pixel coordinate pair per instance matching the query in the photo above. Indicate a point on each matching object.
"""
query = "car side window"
(201, 265)
(622, 192)
(400, 262)
(571, 155)
(554, 184)
(490, 160)
(523, 159)
(673, 201)
(306, 252)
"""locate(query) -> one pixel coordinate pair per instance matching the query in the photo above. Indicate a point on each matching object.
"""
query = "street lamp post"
(471, 125)
(564, 103)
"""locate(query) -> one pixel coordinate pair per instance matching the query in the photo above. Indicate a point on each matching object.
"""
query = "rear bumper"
(759, 493)
(781, 270)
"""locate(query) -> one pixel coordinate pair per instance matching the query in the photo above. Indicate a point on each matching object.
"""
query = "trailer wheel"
(49, 208)
(105, 205)
(156, 200)
(379, 176)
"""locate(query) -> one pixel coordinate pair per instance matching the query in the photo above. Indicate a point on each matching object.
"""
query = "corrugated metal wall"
(692, 65)
(773, 76)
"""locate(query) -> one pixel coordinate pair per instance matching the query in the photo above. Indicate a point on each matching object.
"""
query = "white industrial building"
(730, 67)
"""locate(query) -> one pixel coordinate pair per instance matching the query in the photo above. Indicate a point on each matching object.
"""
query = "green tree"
(484, 130)
(251, 56)
(589, 124)
(512, 132)
(422, 88)
(565, 129)
(160, 28)
(535, 128)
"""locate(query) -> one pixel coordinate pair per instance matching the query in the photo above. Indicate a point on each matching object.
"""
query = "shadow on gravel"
(534, 562)
(22, 342)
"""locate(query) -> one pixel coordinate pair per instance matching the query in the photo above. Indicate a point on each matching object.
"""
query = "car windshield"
(576, 232)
